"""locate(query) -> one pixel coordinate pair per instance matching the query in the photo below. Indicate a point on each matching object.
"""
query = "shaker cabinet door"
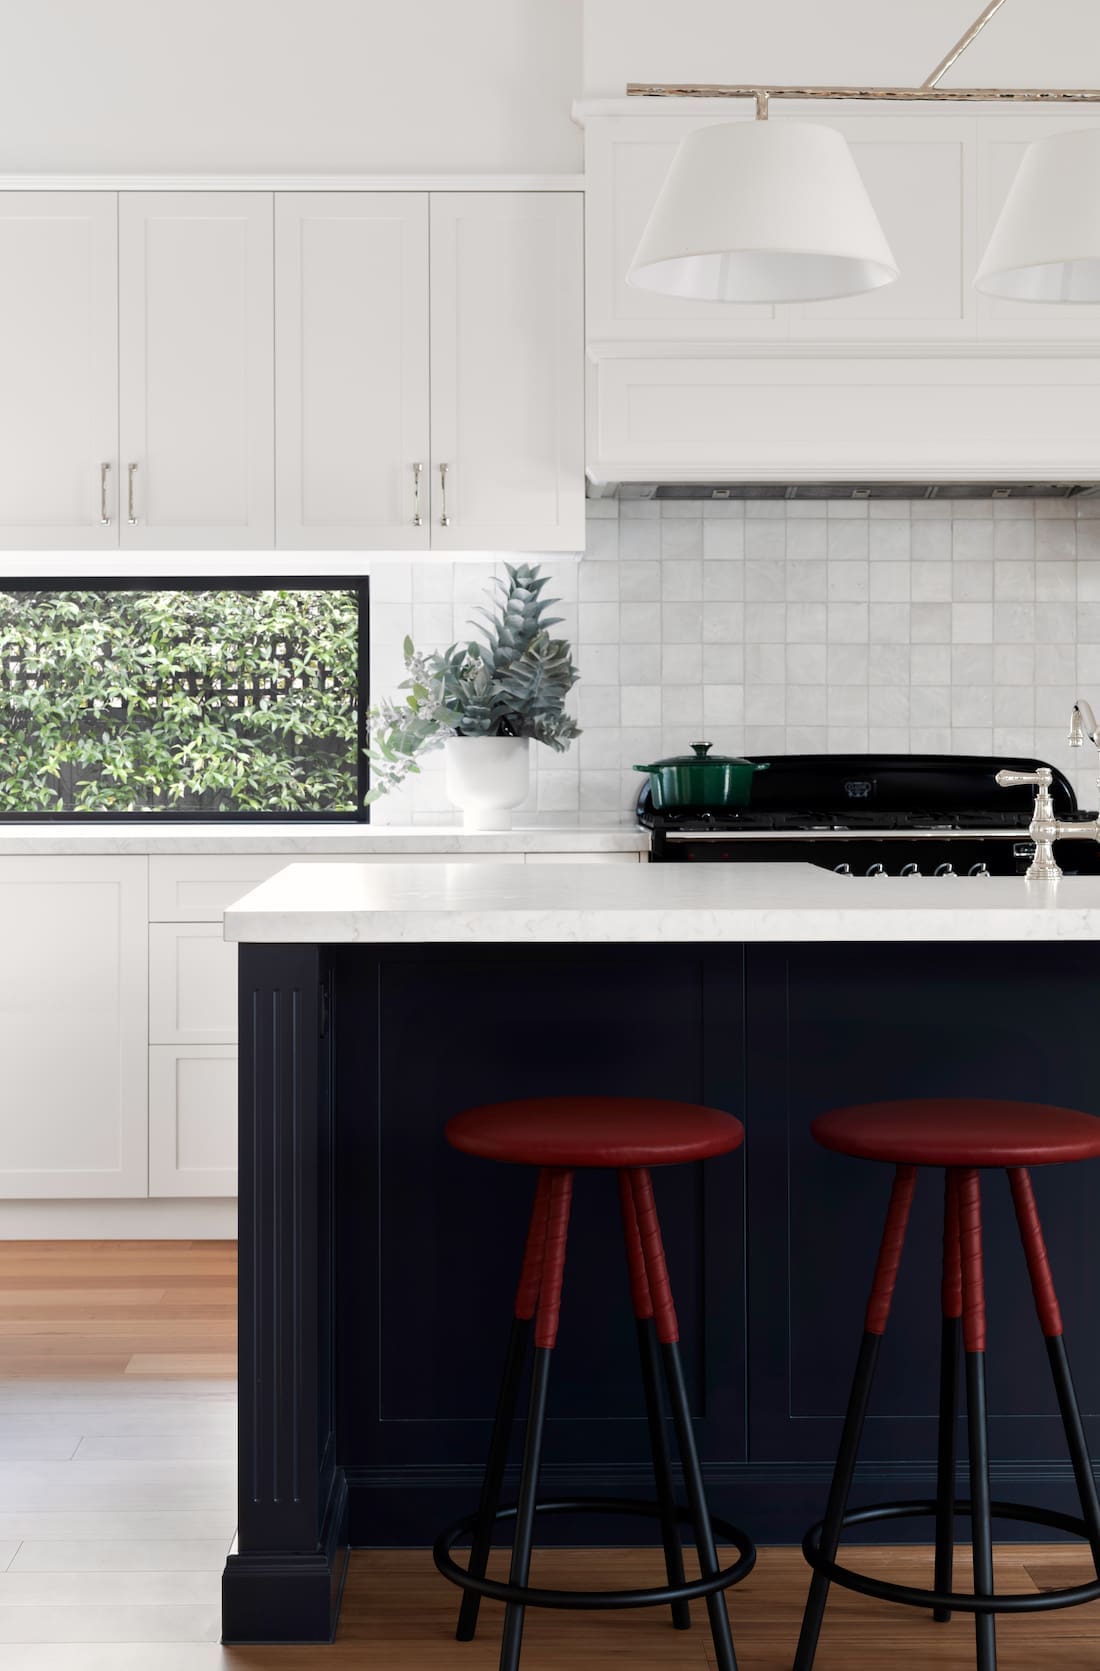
(196, 376)
(351, 370)
(507, 331)
(192, 1119)
(73, 1090)
(58, 370)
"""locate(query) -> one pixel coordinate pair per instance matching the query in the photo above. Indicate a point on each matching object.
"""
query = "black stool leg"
(977, 1426)
(662, 1468)
(947, 1458)
(946, 1463)
(985, 1624)
(724, 1656)
(482, 1540)
(1050, 1318)
(658, 1437)
(546, 1334)
(527, 1295)
(845, 1467)
(878, 1312)
(1076, 1442)
(668, 1333)
(520, 1571)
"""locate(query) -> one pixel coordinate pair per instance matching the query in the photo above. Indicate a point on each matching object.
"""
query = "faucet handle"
(1043, 776)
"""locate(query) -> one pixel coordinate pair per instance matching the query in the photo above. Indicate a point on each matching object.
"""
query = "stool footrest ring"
(909, 1595)
(594, 1600)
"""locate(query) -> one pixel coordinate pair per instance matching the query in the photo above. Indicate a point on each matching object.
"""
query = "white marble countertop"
(542, 835)
(407, 905)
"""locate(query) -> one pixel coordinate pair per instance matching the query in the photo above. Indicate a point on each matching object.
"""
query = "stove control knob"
(909, 870)
(947, 869)
(978, 870)
(877, 870)
(842, 870)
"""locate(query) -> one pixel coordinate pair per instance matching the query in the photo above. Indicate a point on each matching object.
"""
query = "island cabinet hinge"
(322, 1010)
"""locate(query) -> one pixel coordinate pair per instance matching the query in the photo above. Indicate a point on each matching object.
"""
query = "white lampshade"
(763, 212)
(1046, 245)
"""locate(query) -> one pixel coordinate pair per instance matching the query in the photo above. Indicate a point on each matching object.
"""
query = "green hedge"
(216, 701)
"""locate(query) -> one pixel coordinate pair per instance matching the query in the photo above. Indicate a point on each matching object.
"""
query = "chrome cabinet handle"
(104, 472)
(444, 519)
(131, 515)
(418, 520)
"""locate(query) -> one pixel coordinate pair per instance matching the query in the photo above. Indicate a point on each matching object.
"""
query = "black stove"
(871, 814)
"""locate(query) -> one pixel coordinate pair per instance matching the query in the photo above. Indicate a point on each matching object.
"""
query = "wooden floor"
(117, 1427)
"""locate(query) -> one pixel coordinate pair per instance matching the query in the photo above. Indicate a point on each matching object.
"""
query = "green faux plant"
(216, 701)
(513, 684)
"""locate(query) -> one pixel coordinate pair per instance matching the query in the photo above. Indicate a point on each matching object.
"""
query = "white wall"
(371, 86)
(1028, 43)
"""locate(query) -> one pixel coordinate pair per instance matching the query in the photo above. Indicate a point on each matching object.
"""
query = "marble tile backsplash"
(917, 626)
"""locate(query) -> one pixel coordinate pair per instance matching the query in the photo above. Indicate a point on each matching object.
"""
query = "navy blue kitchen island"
(377, 1264)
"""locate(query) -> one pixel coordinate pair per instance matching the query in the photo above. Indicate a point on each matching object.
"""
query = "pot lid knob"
(700, 749)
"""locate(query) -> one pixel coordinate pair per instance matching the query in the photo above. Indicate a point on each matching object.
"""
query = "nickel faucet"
(1045, 828)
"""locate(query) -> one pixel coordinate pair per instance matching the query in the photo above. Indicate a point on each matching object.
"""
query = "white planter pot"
(487, 777)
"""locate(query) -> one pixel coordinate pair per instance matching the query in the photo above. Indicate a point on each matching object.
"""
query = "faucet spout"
(1083, 725)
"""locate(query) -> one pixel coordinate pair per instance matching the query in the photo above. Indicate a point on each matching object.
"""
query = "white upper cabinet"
(425, 350)
(507, 333)
(196, 378)
(58, 370)
(351, 370)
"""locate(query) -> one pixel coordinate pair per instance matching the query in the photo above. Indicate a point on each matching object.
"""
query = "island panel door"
(430, 1240)
(830, 1026)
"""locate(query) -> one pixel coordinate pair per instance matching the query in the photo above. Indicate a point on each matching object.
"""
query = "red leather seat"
(960, 1131)
(595, 1131)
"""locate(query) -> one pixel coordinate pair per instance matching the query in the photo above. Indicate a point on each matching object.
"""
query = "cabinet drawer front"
(192, 1119)
(199, 890)
(192, 985)
(584, 858)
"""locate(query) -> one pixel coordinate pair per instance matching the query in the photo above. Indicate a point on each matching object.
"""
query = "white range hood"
(923, 386)
(716, 492)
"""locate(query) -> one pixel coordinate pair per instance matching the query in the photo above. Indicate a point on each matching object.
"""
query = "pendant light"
(761, 211)
(777, 212)
(1046, 245)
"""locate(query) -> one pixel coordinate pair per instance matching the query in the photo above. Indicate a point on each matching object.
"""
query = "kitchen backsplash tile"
(893, 625)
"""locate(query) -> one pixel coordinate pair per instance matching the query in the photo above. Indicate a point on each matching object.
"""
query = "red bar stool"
(561, 1135)
(963, 1136)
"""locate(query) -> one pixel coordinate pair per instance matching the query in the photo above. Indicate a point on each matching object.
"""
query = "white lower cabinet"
(192, 1119)
(73, 1029)
(118, 1017)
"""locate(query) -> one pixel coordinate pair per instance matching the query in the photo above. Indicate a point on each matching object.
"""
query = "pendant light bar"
(928, 92)
(896, 95)
(962, 43)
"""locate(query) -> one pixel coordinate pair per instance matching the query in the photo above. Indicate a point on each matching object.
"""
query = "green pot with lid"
(701, 779)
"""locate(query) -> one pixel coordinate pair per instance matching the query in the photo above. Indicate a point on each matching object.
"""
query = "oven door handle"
(845, 835)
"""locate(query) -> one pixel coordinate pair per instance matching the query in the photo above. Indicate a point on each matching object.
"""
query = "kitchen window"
(196, 699)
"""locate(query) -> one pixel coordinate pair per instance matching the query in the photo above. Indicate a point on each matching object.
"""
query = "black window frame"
(359, 584)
